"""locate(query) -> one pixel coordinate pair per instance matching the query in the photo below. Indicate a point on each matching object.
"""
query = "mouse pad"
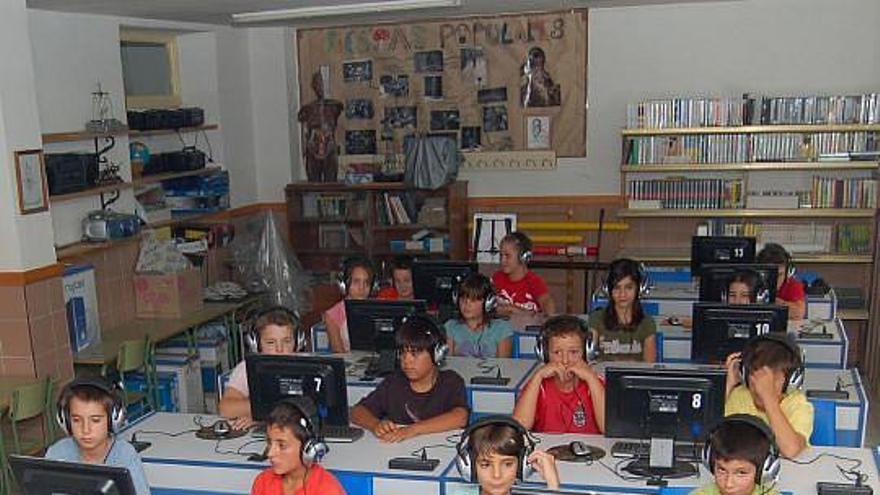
(563, 453)
(208, 434)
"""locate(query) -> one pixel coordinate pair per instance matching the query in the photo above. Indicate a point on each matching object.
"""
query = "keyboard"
(341, 434)
(683, 451)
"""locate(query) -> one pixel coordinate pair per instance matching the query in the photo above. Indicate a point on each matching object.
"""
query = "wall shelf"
(747, 167)
(94, 191)
(682, 255)
(151, 179)
(753, 129)
(754, 213)
(83, 135)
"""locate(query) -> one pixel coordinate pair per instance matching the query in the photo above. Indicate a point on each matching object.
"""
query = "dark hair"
(522, 242)
(496, 438)
(561, 325)
(287, 414)
(770, 353)
(773, 253)
(736, 440)
(747, 277)
(617, 271)
(279, 317)
(401, 263)
(90, 393)
(476, 286)
(419, 333)
(357, 261)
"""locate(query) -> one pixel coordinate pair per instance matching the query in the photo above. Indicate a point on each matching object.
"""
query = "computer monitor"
(715, 279)
(435, 280)
(720, 249)
(272, 378)
(372, 322)
(662, 403)
(720, 329)
(38, 476)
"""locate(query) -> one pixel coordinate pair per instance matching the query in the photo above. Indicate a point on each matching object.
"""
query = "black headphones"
(252, 336)
(542, 346)
(768, 472)
(794, 378)
(774, 248)
(759, 289)
(312, 447)
(465, 457)
(343, 279)
(523, 246)
(487, 292)
(115, 414)
(439, 347)
(635, 267)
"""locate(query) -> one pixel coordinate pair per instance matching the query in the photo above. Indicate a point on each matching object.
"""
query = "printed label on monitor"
(663, 403)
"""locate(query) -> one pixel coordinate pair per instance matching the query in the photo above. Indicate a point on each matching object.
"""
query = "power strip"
(828, 488)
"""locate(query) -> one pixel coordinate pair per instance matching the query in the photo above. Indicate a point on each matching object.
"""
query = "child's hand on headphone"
(732, 365)
(545, 464)
(763, 382)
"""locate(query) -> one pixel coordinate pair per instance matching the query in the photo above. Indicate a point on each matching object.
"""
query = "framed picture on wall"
(30, 175)
(537, 132)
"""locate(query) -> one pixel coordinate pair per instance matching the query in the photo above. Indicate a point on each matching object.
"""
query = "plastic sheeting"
(432, 161)
(265, 264)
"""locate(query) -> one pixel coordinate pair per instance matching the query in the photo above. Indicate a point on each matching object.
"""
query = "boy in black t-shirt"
(419, 398)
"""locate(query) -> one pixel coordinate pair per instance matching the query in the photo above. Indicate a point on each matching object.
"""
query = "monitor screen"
(720, 249)
(660, 400)
(37, 476)
(373, 322)
(715, 279)
(272, 378)
(720, 329)
(434, 281)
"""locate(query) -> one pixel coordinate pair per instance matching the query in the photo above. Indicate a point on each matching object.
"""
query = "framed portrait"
(30, 175)
(537, 132)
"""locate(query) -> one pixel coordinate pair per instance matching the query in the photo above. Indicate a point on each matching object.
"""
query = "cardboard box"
(168, 295)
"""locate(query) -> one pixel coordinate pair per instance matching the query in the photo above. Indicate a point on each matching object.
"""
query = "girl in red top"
(520, 290)
(565, 395)
(789, 290)
(294, 453)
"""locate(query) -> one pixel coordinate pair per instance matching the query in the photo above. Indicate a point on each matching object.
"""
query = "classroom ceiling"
(219, 11)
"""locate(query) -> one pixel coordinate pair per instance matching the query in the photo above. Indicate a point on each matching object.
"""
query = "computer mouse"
(673, 320)
(221, 427)
(579, 448)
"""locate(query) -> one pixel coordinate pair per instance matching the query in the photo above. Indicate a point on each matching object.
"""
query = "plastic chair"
(137, 356)
(28, 402)
(675, 490)
(824, 423)
(314, 330)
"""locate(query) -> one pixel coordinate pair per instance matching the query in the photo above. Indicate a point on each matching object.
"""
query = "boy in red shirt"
(520, 290)
(789, 290)
(565, 395)
(294, 453)
(401, 281)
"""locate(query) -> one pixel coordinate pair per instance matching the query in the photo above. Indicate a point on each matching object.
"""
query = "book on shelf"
(830, 192)
(854, 239)
(684, 193)
(395, 209)
(753, 110)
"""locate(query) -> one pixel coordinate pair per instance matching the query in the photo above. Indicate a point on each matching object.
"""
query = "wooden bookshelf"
(753, 213)
(753, 129)
(750, 167)
(683, 255)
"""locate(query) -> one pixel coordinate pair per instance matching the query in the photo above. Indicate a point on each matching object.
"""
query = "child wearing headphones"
(764, 381)
(358, 277)
(294, 454)
(789, 290)
(476, 333)
(623, 331)
(419, 398)
(741, 289)
(741, 454)
(91, 411)
(565, 395)
(520, 290)
(496, 452)
(401, 281)
(276, 331)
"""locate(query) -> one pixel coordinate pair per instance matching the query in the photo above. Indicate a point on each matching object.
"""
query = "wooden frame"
(158, 37)
(30, 178)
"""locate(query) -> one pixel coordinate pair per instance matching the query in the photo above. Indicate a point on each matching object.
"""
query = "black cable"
(237, 451)
(172, 435)
(210, 149)
(615, 471)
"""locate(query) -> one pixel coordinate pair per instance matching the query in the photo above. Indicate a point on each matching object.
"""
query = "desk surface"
(158, 329)
(811, 326)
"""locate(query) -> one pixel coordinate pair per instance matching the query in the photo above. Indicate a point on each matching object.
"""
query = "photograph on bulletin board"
(484, 78)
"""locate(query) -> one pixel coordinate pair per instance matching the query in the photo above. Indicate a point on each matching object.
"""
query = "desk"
(820, 353)
(157, 329)
(796, 479)
(186, 464)
(851, 415)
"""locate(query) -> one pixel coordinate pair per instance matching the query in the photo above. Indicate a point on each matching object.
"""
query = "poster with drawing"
(538, 132)
(494, 70)
(489, 229)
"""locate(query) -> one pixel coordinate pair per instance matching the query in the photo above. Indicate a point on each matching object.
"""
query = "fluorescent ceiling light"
(335, 10)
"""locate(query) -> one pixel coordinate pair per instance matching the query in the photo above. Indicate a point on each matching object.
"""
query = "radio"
(103, 225)
(71, 172)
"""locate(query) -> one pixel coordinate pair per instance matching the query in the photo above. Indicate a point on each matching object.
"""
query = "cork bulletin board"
(502, 83)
